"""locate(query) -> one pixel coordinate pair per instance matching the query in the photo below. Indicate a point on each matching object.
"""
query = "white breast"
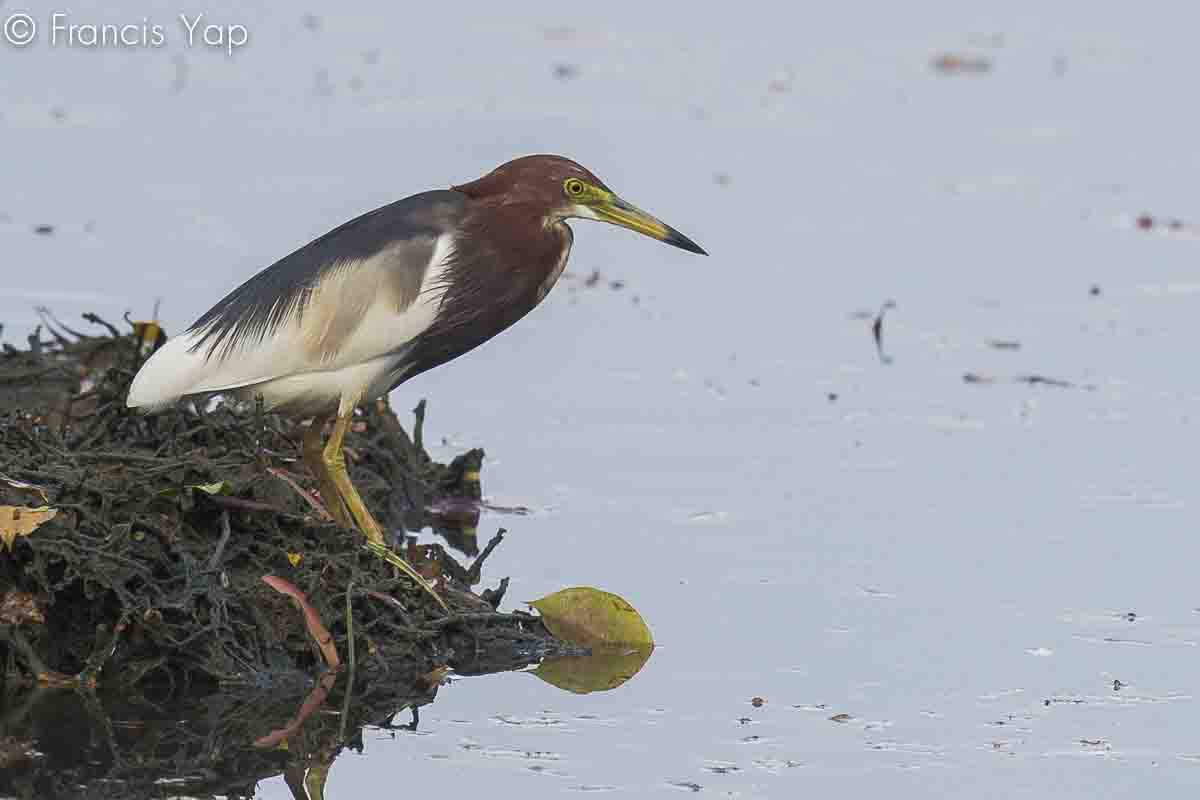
(557, 272)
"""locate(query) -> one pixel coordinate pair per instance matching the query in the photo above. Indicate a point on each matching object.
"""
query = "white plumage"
(343, 341)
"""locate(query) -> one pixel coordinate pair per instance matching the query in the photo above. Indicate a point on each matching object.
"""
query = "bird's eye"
(574, 187)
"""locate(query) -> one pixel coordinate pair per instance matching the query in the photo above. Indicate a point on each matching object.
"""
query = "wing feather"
(357, 293)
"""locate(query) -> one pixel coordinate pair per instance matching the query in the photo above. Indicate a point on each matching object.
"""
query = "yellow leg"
(314, 459)
(335, 463)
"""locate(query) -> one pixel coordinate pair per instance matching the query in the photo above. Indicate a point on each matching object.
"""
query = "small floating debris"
(685, 785)
(1032, 380)
(782, 83)
(1112, 640)
(1035, 380)
(877, 331)
(43, 230)
(708, 516)
(1151, 224)
(721, 767)
(959, 64)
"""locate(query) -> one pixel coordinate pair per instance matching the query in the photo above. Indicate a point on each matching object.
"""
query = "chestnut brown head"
(559, 188)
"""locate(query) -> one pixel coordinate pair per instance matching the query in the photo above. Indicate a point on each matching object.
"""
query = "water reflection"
(75, 744)
(458, 527)
(454, 514)
(62, 744)
(598, 671)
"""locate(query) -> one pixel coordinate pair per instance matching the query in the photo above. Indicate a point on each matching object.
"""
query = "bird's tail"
(171, 373)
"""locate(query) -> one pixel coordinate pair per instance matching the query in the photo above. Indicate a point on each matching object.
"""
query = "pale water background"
(717, 441)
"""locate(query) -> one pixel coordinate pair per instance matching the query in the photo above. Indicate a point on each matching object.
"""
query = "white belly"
(326, 391)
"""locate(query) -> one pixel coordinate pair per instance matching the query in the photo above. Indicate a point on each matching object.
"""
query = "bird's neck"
(530, 249)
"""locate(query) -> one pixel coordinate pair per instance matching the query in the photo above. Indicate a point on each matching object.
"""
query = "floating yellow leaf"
(593, 618)
(603, 670)
(294, 559)
(21, 521)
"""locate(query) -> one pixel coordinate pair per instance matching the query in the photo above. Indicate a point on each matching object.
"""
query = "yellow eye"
(574, 187)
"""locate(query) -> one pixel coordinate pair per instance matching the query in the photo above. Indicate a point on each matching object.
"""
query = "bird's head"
(560, 189)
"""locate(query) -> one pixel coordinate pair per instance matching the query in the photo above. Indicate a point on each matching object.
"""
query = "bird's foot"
(397, 561)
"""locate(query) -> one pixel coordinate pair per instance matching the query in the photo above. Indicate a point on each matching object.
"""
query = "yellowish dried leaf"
(19, 607)
(593, 618)
(21, 521)
(57, 680)
(434, 676)
(295, 558)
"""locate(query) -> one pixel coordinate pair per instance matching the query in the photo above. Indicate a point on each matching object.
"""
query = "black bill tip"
(677, 239)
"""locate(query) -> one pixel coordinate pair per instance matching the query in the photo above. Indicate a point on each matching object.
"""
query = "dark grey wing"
(280, 294)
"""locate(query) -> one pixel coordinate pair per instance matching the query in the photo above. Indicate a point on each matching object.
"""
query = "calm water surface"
(717, 440)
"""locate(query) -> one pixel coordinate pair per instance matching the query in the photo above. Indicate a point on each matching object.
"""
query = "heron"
(385, 297)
